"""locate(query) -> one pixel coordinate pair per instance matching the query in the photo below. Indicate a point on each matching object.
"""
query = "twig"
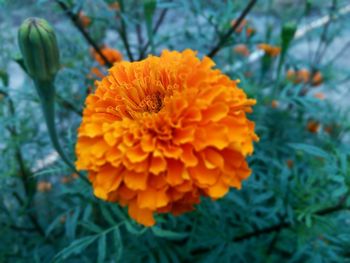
(283, 225)
(318, 53)
(226, 36)
(122, 31)
(75, 19)
(68, 105)
(155, 30)
(139, 36)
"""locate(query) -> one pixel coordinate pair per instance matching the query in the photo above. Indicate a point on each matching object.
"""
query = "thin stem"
(228, 34)
(46, 91)
(75, 19)
(122, 32)
(155, 30)
(283, 225)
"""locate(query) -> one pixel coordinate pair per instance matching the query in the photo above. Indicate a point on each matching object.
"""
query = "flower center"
(152, 103)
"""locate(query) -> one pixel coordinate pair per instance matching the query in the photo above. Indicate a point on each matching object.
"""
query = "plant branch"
(232, 29)
(75, 19)
(283, 225)
(122, 31)
(155, 30)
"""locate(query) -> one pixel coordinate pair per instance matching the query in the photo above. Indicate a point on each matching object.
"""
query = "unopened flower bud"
(38, 45)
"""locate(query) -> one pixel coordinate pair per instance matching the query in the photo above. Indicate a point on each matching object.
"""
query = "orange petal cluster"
(242, 49)
(272, 51)
(313, 126)
(304, 76)
(112, 55)
(84, 19)
(160, 133)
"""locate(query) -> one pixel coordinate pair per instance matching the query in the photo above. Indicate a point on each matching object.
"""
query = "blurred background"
(291, 55)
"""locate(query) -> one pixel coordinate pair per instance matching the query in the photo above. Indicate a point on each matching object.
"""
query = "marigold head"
(241, 25)
(269, 50)
(241, 49)
(159, 133)
(84, 19)
(112, 55)
(43, 186)
(313, 126)
(317, 79)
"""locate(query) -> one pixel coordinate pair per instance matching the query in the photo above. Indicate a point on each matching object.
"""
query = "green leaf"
(310, 149)
(76, 247)
(4, 77)
(168, 234)
(101, 249)
(118, 244)
(107, 215)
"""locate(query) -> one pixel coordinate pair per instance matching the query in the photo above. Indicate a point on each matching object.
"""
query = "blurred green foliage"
(293, 208)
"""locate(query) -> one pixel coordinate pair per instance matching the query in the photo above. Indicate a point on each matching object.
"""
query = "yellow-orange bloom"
(319, 95)
(159, 133)
(241, 49)
(317, 79)
(271, 51)
(84, 19)
(275, 104)
(111, 54)
(241, 25)
(114, 6)
(43, 186)
(313, 126)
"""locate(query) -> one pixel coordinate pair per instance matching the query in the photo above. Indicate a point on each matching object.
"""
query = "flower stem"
(46, 91)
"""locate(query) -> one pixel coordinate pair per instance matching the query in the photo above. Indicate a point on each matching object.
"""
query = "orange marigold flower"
(95, 73)
(303, 76)
(250, 31)
(328, 129)
(114, 6)
(274, 104)
(159, 133)
(290, 163)
(241, 49)
(317, 79)
(291, 75)
(84, 19)
(319, 95)
(270, 50)
(241, 26)
(111, 54)
(44, 186)
(313, 126)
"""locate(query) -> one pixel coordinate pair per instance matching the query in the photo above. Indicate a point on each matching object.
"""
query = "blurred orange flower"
(111, 54)
(317, 79)
(84, 19)
(270, 50)
(68, 179)
(274, 104)
(114, 6)
(303, 76)
(241, 26)
(328, 129)
(300, 76)
(241, 49)
(250, 31)
(95, 73)
(290, 163)
(43, 186)
(159, 133)
(319, 95)
(313, 126)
